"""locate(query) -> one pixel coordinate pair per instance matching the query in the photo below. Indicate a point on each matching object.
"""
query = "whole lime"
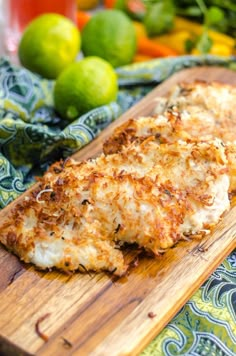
(49, 44)
(110, 34)
(83, 86)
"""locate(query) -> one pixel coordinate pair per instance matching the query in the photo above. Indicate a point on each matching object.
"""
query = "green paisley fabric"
(206, 325)
(32, 136)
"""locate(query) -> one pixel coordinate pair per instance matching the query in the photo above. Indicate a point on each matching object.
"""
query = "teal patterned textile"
(206, 325)
(32, 136)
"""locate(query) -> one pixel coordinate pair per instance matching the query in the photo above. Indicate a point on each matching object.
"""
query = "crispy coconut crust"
(149, 194)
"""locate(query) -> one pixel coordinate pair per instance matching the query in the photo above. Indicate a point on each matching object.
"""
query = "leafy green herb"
(221, 13)
(204, 43)
(189, 45)
(217, 14)
(214, 15)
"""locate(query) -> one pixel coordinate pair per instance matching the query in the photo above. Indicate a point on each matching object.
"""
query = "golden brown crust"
(206, 109)
(197, 110)
(142, 195)
(193, 112)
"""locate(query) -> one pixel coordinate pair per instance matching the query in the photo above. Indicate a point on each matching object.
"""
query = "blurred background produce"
(163, 27)
(49, 44)
(184, 26)
(110, 34)
(118, 31)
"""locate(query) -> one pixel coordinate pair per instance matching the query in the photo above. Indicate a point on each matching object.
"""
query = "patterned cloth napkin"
(32, 136)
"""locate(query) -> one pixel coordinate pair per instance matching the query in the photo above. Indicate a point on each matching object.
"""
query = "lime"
(49, 44)
(83, 86)
(110, 34)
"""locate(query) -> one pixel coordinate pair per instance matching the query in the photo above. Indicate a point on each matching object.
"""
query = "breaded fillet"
(196, 111)
(166, 128)
(207, 110)
(150, 194)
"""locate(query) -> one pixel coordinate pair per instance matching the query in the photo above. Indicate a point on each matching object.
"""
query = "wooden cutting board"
(98, 314)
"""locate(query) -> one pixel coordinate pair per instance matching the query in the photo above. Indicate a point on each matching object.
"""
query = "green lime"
(49, 44)
(110, 34)
(83, 86)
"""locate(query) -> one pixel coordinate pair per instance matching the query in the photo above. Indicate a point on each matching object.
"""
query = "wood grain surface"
(98, 314)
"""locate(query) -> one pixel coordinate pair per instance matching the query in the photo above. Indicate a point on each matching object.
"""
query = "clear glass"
(16, 14)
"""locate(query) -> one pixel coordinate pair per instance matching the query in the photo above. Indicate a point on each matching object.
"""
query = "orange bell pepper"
(82, 18)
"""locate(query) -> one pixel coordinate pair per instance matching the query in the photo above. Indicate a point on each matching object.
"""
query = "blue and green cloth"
(32, 136)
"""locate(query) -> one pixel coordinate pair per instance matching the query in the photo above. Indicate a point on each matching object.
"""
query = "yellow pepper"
(175, 40)
(197, 29)
(219, 49)
(185, 30)
(139, 29)
(141, 58)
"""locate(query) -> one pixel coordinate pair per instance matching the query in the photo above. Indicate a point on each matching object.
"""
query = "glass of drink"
(18, 13)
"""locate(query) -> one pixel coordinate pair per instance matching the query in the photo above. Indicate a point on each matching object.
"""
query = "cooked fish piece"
(206, 109)
(193, 110)
(83, 212)
(166, 128)
(196, 111)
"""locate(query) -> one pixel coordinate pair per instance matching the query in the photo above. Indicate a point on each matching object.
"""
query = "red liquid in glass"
(19, 13)
(24, 11)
